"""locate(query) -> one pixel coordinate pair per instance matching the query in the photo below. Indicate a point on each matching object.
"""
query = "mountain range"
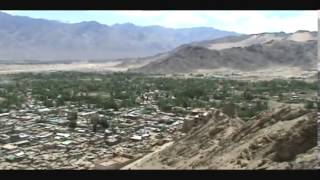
(25, 39)
(243, 52)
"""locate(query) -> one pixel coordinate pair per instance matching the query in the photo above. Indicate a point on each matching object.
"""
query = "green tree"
(309, 105)
(72, 117)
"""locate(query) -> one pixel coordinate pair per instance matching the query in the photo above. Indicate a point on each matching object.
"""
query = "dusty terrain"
(146, 158)
(265, 74)
(300, 36)
(83, 67)
(283, 139)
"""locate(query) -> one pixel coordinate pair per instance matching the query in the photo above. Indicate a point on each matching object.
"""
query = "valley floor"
(81, 67)
(174, 122)
(257, 75)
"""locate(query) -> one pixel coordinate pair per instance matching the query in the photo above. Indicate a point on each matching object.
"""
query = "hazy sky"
(239, 21)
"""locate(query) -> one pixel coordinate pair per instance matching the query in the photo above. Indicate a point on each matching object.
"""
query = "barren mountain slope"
(284, 139)
(191, 58)
(248, 40)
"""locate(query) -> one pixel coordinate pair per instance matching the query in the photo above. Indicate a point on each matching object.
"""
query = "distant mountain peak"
(244, 52)
(126, 25)
(91, 22)
(302, 31)
(46, 40)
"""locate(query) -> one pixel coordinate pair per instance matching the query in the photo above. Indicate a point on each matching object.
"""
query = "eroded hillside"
(282, 139)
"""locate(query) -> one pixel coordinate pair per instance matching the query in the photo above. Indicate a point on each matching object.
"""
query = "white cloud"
(264, 21)
(247, 22)
(240, 21)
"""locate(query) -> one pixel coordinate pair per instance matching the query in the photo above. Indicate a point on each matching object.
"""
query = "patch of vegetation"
(121, 90)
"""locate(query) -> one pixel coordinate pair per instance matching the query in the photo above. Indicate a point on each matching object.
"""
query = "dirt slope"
(284, 139)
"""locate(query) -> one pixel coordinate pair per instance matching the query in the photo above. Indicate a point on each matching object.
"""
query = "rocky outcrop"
(284, 139)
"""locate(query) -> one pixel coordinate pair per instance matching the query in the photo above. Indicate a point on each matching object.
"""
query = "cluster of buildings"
(40, 138)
